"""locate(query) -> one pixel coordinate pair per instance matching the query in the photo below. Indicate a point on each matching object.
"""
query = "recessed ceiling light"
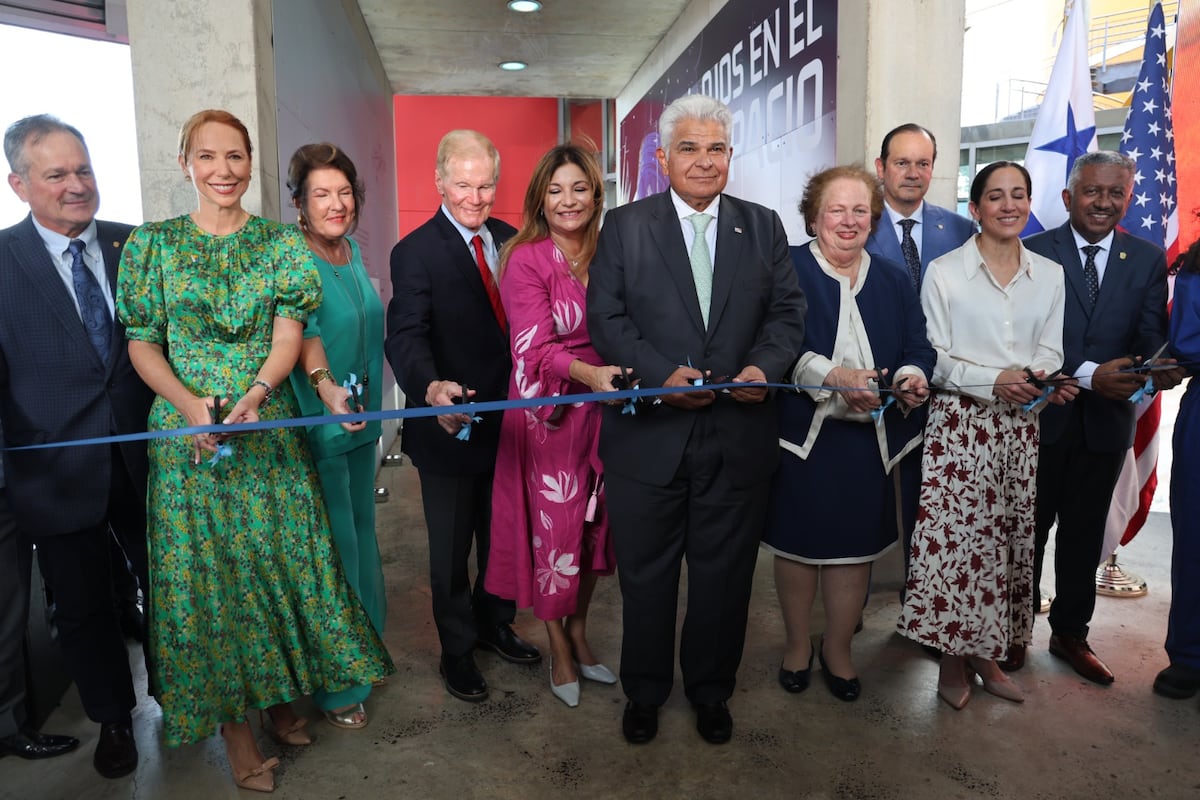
(524, 6)
(512, 66)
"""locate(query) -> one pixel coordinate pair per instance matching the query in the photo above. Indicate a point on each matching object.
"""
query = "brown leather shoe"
(1078, 653)
(1014, 659)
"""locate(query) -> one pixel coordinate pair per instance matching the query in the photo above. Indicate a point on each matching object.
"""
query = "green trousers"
(348, 483)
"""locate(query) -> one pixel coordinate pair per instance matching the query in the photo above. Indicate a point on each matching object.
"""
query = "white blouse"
(980, 328)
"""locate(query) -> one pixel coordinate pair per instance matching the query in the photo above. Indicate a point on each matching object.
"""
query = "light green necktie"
(702, 268)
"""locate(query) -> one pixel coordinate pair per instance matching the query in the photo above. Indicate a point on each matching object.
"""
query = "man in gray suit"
(687, 284)
(65, 375)
(912, 232)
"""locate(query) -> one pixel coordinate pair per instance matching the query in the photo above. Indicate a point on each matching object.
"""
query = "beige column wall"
(190, 56)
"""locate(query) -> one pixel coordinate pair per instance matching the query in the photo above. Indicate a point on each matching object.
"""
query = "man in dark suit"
(447, 336)
(689, 479)
(912, 232)
(65, 374)
(1116, 307)
(17, 737)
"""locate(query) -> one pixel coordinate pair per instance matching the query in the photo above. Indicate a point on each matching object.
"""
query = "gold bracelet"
(317, 375)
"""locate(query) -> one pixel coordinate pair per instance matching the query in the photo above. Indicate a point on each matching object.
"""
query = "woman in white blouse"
(994, 313)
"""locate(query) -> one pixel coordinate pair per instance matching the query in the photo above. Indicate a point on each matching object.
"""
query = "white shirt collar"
(683, 210)
(1105, 243)
(895, 216)
(57, 243)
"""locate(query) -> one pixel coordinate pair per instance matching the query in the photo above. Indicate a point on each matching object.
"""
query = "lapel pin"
(941, 226)
(1122, 255)
(737, 230)
(116, 244)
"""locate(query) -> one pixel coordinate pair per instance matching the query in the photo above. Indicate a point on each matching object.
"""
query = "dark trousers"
(458, 512)
(701, 517)
(78, 570)
(1075, 487)
(1183, 622)
(16, 559)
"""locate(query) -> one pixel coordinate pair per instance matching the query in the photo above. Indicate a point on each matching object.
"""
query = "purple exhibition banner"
(774, 63)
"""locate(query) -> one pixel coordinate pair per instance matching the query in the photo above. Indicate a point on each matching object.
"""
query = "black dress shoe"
(462, 678)
(1078, 653)
(503, 642)
(116, 753)
(640, 722)
(714, 722)
(843, 689)
(31, 744)
(1177, 681)
(796, 681)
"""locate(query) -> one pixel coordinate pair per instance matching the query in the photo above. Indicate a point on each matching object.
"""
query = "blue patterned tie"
(93, 308)
(908, 248)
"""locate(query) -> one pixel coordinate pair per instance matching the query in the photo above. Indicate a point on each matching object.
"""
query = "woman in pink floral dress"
(549, 528)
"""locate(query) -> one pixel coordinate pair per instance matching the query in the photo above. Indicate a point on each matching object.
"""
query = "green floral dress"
(250, 606)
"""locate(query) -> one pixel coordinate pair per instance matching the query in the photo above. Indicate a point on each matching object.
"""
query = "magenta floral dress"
(549, 525)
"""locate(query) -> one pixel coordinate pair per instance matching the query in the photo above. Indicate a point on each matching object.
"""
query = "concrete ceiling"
(574, 48)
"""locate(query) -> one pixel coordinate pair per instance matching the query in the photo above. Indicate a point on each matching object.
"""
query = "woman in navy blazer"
(836, 500)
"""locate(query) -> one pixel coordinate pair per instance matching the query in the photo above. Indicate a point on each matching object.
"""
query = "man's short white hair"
(692, 106)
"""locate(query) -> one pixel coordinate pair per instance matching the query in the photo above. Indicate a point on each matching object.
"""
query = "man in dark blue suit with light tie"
(65, 375)
(913, 232)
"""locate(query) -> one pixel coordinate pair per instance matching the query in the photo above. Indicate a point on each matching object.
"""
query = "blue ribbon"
(1145, 393)
(877, 413)
(1037, 401)
(464, 433)
(224, 450)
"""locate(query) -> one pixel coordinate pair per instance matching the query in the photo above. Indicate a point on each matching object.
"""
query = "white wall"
(331, 86)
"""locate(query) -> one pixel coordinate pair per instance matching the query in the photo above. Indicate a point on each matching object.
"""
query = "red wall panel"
(523, 128)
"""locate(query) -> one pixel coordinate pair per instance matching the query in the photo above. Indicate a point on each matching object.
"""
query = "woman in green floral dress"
(250, 606)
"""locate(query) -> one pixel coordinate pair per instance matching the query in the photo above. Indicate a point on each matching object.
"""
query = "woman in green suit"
(341, 370)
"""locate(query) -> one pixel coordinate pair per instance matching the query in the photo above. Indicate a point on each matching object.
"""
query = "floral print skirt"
(969, 588)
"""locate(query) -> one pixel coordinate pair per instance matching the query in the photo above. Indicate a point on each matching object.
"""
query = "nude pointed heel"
(293, 735)
(256, 779)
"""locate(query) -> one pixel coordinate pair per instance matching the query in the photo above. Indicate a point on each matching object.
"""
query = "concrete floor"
(1071, 739)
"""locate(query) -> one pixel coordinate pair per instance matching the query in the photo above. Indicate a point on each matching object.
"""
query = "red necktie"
(489, 283)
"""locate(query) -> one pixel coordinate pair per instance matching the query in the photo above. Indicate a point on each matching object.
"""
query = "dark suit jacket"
(1130, 318)
(441, 327)
(53, 387)
(643, 313)
(942, 231)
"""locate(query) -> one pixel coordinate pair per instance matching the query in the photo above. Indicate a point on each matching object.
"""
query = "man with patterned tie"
(690, 284)
(913, 232)
(447, 335)
(65, 375)
(1116, 307)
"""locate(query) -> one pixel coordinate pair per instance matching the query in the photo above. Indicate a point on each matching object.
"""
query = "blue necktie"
(93, 308)
(908, 248)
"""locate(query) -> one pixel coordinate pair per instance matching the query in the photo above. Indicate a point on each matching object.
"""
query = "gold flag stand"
(1113, 581)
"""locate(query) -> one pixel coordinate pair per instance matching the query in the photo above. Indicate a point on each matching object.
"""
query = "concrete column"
(190, 56)
(913, 52)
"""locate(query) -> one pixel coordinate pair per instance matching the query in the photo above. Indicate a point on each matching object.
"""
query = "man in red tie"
(447, 337)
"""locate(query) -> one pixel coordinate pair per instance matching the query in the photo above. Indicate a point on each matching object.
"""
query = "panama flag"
(1065, 127)
(1148, 139)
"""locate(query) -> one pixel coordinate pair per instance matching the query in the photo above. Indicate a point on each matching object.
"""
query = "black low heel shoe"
(842, 689)
(796, 681)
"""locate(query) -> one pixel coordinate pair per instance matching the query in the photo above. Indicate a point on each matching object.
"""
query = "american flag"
(1150, 141)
